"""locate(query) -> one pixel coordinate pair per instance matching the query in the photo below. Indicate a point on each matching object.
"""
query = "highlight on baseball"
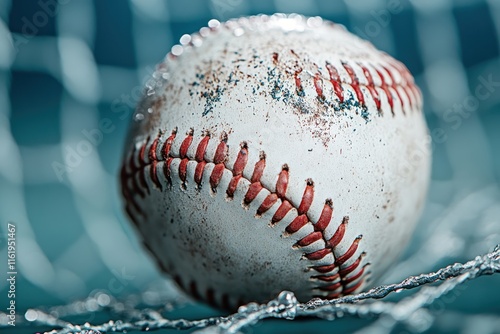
(275, 153)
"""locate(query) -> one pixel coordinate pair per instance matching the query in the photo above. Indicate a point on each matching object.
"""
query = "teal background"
(65, 68)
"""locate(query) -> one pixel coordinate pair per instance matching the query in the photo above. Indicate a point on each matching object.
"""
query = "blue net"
(72, 72)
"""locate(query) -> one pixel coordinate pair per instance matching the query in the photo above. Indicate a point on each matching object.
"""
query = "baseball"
(276, 153)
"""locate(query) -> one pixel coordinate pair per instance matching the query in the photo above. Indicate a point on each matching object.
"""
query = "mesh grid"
(68, 67)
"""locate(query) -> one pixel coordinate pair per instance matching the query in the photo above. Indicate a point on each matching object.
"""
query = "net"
(71, 74)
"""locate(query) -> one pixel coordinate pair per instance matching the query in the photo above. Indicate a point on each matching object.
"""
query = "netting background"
(65, 68)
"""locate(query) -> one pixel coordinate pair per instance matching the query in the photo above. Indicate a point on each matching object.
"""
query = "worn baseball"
(276, 153)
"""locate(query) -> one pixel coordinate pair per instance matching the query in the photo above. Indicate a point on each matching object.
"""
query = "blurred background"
(67, 66)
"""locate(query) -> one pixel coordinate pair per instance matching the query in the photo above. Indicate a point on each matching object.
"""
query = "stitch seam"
(400, 90)
(133, 179)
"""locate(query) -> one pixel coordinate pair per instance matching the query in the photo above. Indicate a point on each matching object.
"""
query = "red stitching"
(352, 267)
(325, 269)
(216, 175)
(183, 155)
(326, 215)
(221, 152)
(167, 146)
(318, 85)
(232, 185)
(183, 170)
(339, 234)
(282, 183)
(371, 86)
(198, 173)
(259, 168)
(267, 203)
(282, 211)
(348, 290)
(133, 168)
(307, 198)
(139, 160)
(298, 82)
(335, 80)
(241, 160)
(199, 157)
(166, 170)
(350, 252)
(319, 254)
(394, 89)
(152, 157)
(185, 145)
(328, 278)
(354, 83)
(388, 94)
(354, 277)
(309, 239)
(252, 192)
(331, 287)
(299, 222)
(201, 149)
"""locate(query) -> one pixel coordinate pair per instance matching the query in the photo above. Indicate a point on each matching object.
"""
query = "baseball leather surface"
(276, 153)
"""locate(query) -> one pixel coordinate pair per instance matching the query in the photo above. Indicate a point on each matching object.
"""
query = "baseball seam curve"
(334, 279)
